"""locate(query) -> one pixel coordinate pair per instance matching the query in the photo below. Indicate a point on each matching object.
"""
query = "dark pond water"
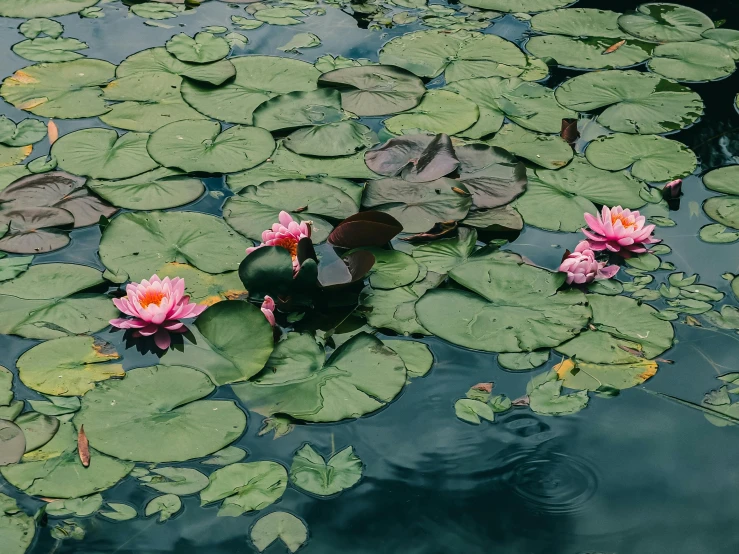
(636, 473)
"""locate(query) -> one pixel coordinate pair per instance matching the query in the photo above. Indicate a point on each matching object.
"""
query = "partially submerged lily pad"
(245, 487)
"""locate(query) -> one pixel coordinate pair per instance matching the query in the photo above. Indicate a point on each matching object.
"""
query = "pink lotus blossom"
(268, 309)
(156, 306)
(582, 267)
(287, 233)
(672, 189)
(619, 230)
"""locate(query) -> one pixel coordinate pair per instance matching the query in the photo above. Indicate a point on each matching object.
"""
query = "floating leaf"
(138, 244)
(310, 472)
(516, 309)
(12, 267)
(548, 151)
(723, 209)
(651, 157)
(416, 356)
(77, 507)
(32, 28)
(440, 111)
(635, 102)
(36, 88)
(279, 525)
(35, 230)
(225, 457)
(156, 11)
(47, 302)
(301, 40)
(360, 377)
(166, 506)
(524, 360)
(37, 428)
(47, 49)
(175, 480)
(473, 411)
(158, 189)
(12, 443)
(245, 487)
(590, 52)
(587, 376)
(27, 131)
(516, 6)
(333, 139)
(718, 234)
(662, 22)
(370, 228)
(692, 61)
(55, 470)
(202, 48)
(16, 527)
(120, 512)
(297, 109)
(578, 22)
(43, 8)
(546, 398)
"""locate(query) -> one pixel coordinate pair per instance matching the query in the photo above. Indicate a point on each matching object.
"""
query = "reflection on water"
(635, 474)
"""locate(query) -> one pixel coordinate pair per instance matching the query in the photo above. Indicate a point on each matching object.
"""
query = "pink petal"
(162, 339)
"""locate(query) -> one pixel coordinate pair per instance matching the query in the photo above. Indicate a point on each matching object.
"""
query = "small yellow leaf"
(53, 131)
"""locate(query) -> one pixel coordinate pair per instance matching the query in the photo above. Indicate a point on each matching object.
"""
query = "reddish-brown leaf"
(83, 447)
(611, 49)
(569, 131)
(523, 401)
(484, 387)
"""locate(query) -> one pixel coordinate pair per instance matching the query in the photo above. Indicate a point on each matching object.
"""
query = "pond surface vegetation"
(368, 204)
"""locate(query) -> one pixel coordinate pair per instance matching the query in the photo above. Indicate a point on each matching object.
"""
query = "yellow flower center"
(289, 244)
(627, 222)
(151, 297)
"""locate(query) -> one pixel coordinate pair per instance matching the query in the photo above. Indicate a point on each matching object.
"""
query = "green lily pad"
(166, 506)
(204, 288)
(311, 472)
(440, 111)
(199, 145)
(245, 487)
(65, 90)
(635, 102)
(375, 89)
(137, 244)
(146, 101)
(333, 139)
(578, 22)
(43, 8)
(723, 179)
(77, 507)
(258, 78)
(175, 480)
(28, 131)
(546, 398)
(520, 361)
(226, 456)
(651, 157)
(297, 109)
(460, 55)
(11, 173)
(589, 52)
(692, 61)
(202, 48)
(256, 208)
(154, 190)
(159, 62)
(392, 269)
(280, 16)
(157, 11)
(518, 6)
(557, 200)
(102, 154)
(47, 302)
(548, 151)
(119, 512)
(16, 527)
(360, 377)
(663, 22)
(55, 469)
(279, 525)
(416, 356)
(418, 206)
(718, 234)
(473, 411)
(514, 307)
(221, 351)
(13, 443)
(301, 40)
(441, 256)
(726, 38)
(37, 428)
(78, 363)
(155, 415)
(32, 28)
(723, 209)
(587, 376)
(47, 49)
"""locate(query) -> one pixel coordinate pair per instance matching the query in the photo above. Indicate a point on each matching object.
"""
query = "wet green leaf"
(16, 527)
(154, 190)
(692, 61)
(47, 49)
(175, 480)
(343, 138)
(521, 361)
(416, 356)
(119, 512)
(546, 398)
(440, 111)
(515, 6)
(166, 506)
(245, 487)
(578, 22)
(226, 456)
(663, 22)
(32, 28)
(723, 179)
(202, 48)
(279, 525)
(473, 411)
(548, 151)
(37, 428)
(77, 507)
(157, 11)
(717, 233)
(27, 131)
(310, 472)
(43, 8)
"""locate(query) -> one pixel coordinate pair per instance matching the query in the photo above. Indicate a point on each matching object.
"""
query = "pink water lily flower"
(582, 267)
(156, 306)
(268, 309)
(286, 234)
(619, 230)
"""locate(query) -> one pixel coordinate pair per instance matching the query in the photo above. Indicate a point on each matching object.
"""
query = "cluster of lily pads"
(404, 232)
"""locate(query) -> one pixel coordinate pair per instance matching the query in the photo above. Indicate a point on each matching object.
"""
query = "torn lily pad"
(245, 487)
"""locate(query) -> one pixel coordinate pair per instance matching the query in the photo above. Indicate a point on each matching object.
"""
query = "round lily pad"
(279, 525)
(310, 472)
(12, 443)
(517, 6)
(47, 49)
(651, 157)
(723, 179)
(333, 139)
(245, 487)
(154, 190)
(41, 26)
(375, 89)
(724, 209)
(635, 102)
(360, 377)
(16, 527)
(726, 38)
(137, 244)
(37, 428)
(297, 109)
(77, 363)
(256, 209)
(510, 307)
(47, 302)
(665, 22)
(460, 55)
(202, 48)
(155, 415)
(199, 145)
(55, 469)
(102, 154)
(548, 151)
(578, 22)
(157, 61)
(556, 200)
(258, 78)
(27, 131)
(589, 52)
(43, 8)
(440, 111)
(65, 90)
(692, 61)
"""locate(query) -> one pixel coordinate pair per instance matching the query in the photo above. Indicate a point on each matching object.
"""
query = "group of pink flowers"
(156, 305)
(614, 230)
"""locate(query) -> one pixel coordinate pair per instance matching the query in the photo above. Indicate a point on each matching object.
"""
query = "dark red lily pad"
(371, 228)
(35, 230)
(416, 158)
